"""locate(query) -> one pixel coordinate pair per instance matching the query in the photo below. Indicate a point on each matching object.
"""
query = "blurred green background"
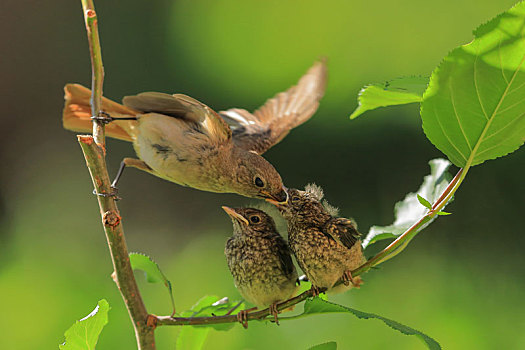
(462, 281)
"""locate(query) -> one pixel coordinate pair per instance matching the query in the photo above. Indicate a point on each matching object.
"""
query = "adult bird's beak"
(281, 199)
(234, 215)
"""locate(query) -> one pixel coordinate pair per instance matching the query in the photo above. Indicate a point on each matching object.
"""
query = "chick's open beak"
(234, 215)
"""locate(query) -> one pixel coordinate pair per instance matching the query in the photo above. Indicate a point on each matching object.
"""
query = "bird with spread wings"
(186, 142)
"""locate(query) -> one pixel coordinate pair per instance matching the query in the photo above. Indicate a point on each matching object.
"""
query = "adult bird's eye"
(295, 199)
(255, 219)
(259, 182)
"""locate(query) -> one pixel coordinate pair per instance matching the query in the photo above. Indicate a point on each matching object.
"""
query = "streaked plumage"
(327, 248)
(259, 259)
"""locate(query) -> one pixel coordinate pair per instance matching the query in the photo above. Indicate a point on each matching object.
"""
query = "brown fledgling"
(182, 140)
(259, 260)
(327, 248)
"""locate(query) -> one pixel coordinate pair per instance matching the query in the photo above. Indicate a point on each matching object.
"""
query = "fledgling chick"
(182, 140)
(259, 260)
(327, 248)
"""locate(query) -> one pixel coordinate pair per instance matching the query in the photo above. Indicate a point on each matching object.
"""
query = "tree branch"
(97, 69)
(93, 148)
(257, 315)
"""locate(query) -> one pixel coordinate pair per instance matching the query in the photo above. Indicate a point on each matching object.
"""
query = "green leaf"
(473, 109)
(409, 210)
(83, 335)
(443, 213)
(424, 202)
(145, 263)
(152, 270)
(211, 305)
(192, 338)
(319, 306)
(331, 345)
(394, 92)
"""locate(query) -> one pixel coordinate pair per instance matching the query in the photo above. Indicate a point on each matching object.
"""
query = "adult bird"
(182, 140)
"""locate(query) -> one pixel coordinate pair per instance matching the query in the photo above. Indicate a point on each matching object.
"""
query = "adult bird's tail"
(77, 113)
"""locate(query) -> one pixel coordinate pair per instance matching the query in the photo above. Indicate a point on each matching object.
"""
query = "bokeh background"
(462, 281)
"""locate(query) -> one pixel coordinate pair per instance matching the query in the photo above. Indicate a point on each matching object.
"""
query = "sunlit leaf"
(474, 107)
(152, 270)
(424, 202)
(212, 305)
(319, 306)
(394, 92)
(409, 210)
(331, 345)
(83, 335)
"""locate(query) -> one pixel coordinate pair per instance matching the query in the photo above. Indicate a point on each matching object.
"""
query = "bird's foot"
(103, 117)
(242, 317)
(106, 118)
(113, 193)
(273, 311)
(315, 291)
(347, 279)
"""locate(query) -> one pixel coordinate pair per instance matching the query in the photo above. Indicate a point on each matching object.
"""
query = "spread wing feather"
(271, 123)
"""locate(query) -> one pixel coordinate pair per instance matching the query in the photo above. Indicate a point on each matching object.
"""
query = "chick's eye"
(259, 182)
(255, 219)
(295, 199)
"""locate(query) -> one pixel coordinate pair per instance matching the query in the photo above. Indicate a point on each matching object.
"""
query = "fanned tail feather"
(76, 115)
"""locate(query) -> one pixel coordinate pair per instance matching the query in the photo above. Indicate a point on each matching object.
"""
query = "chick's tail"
(77, 113)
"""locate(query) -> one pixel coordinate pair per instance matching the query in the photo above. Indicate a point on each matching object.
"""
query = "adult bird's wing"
(271, 123)
(198, 117)
(343, 231)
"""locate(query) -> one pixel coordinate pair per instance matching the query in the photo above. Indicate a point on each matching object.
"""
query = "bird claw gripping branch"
(113, 194)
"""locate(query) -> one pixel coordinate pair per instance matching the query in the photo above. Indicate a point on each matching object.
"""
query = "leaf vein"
(494, 113)
(516, 89)
(510, 106)
(456, 114)
(476, 84)
(500, 130)
(448, 138)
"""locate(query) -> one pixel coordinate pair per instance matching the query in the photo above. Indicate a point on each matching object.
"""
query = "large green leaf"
(394, 92)
(152, 270)
(83, 335)
(319, 306)
(474, 107)
(410, 209)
